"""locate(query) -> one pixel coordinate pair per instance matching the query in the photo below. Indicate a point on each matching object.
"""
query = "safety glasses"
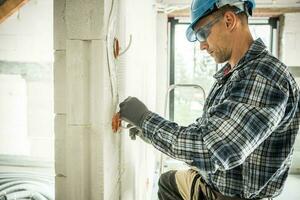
(203, 33)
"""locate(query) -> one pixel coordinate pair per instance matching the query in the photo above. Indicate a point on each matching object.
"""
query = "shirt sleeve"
(229, 131)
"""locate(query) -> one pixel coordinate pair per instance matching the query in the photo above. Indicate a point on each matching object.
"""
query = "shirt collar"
(256, 48)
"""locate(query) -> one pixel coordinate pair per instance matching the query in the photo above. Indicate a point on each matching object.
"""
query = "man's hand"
(133, 111)
(133, 132)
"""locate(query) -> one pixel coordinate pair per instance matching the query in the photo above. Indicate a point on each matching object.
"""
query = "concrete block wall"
(87, 153)
(109, 166)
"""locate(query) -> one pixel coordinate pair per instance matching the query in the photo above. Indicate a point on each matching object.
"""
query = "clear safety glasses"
(203, 33)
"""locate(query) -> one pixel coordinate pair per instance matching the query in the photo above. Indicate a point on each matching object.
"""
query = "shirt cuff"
(145, 123)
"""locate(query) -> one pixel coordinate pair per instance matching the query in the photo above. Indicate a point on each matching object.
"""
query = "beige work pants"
(184, 180)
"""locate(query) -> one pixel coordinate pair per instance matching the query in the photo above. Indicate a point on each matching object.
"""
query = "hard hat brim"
(190, 33)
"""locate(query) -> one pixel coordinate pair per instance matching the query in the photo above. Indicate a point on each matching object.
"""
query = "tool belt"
(207, 193)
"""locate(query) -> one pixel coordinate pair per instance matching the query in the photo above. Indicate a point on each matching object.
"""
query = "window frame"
(173, 22)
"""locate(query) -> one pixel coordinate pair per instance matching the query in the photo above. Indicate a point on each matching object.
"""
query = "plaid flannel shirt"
(243, 143)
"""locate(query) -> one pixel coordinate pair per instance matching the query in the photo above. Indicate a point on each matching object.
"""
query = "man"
(241, 147)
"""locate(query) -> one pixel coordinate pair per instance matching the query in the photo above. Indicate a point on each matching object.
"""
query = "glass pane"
(197, 67)
(191, 66)
(262, 31)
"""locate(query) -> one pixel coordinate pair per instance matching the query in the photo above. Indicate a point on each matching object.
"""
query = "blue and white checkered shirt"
(243, 143)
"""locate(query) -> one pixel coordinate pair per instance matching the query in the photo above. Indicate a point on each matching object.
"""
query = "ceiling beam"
(258, 12)
(275, 11)
(9, 7)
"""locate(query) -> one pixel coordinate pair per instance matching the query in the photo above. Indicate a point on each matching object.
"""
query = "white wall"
(291, 40)
(26, 36)
(13, 115)
(137, 77)
(290, 56)
(26, 50)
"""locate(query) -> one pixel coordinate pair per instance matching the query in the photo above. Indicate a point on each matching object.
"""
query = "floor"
(292, 188)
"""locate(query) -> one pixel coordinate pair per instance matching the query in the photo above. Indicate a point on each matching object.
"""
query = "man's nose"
(203, 45)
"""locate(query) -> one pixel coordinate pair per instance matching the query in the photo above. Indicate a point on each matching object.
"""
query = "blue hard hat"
(202, 8)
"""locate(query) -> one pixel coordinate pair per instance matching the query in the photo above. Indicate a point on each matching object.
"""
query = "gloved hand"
(133, 111)
(133, 132)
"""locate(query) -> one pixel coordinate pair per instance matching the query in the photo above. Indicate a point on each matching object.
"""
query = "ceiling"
(259, 3)
(263, 7)
(278, 3)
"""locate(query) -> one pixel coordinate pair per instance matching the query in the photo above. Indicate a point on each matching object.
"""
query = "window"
(189, 65)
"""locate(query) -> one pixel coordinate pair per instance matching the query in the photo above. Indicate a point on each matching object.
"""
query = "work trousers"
(187, 185)
(183, 185)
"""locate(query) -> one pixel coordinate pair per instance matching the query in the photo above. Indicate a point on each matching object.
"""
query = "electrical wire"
(111, 28)
(128, 46)
(24, 185)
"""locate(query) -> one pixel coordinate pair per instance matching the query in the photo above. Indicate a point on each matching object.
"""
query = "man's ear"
(230, 20)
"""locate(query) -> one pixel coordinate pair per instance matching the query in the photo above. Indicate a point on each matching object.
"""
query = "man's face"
(213, 37)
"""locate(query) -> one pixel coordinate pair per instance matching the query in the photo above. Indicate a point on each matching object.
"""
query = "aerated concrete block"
(78, 162)
(78, 82)
(60, 157)
(60, 188)
(97, 168)
(60, 81)
(60, 144)
(84, 19)
(101, 88)
(59, 22)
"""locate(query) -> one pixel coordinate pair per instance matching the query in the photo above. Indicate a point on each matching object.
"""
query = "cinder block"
(84, 19)
(60, 81)
(78, 82)
(59, 22)
(78, 162)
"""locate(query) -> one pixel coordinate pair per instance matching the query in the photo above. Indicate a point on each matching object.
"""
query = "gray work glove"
(133, 132)
(133, 111)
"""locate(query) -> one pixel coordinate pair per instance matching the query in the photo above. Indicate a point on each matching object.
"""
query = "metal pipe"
(174, 86)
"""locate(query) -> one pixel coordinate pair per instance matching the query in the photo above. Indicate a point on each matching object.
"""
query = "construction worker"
(242, 145)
